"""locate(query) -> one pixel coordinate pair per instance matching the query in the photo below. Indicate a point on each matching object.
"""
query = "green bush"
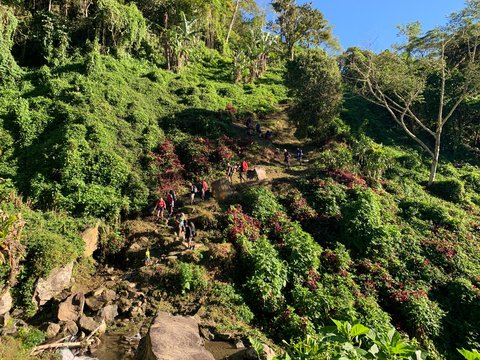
(260, 203)
(472, 180)
(363, 223)
(423, 317)
(451, 190)
(329, 199)
(267, 274)
(428, 211)
(191, 277)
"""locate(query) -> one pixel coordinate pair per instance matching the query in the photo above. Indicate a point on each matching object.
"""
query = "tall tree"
(300, 25)
(423, 87)
(316, 85)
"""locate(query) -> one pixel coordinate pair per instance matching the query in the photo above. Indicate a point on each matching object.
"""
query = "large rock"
(108, 313)
(72, 307)
(221, 189)
(70, 328)
(6, 302)
(90, 239)
(173, 338)
(260, 173)
(100, 297)
(266, 354)
(90, 324)
(52, 330)
(54, 284)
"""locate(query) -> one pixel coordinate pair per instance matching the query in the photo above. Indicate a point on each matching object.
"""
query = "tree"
(300, 25)
(316, 85)
(422, 87)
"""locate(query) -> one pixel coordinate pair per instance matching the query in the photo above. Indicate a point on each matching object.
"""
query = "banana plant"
(181, 40)
(469, 355)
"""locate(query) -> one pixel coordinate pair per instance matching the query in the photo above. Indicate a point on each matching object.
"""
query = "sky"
(372, 24)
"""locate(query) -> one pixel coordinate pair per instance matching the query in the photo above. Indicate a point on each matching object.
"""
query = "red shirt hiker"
(204, 188)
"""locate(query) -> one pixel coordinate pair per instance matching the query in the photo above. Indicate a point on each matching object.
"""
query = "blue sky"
(372, 24)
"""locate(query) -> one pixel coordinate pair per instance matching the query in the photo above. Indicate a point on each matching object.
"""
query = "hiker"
(190, 234)
(268, 135)
(171, 199)
(286, 157)
(258, 128)
(170, 203)
(193, 192)
(182, 220)
(160, 207)
(147, 257)
(242, 170)
(230, 172)
(204, 188)
(299, 154)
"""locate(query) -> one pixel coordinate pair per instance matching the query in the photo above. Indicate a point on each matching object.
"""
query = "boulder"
(70, 328)
(6, 302)
(260, 173)
(173, 338)
(54, 284)
(72, 307)
(221, 189)
(90, 239)
(266, 354)
(52, 330)
(109, 313)
(99, 298)
(90, 324)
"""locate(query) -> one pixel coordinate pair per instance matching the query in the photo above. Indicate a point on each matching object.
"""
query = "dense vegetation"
(370, 253)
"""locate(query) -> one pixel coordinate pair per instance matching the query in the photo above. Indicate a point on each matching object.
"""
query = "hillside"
(365, 248)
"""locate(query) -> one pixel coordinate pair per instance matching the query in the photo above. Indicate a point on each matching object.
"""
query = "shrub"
(472, 181)
(191, 277)
(328, 199)
(363, 222)
(451, 190)
(423, 316)
(260, 202)
(267, 274)
(337, 157)
(240, 224)
(427, 211)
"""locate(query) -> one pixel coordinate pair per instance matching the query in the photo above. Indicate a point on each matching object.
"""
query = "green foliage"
(260, 202)
(267, 274)
(428, 210)
(191, 277)
(123, 27)
(31, 337)
(9, 70)
(469, 355)
(354, 341)
(363, 222)
(51, 37)
(315, 80)
(451, 190)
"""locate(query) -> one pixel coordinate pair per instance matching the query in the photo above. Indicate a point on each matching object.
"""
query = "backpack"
(244, 166)
(204, 185)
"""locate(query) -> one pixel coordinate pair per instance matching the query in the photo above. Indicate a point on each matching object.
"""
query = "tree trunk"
(237, 5)
(436, 156)
(291, 52)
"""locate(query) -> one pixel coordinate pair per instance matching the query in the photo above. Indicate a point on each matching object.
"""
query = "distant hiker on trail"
(268, 135)
(242, 171)
(190, 234)
(204, 188)
(160, 208)
(182, 220)
(193, 192)
(286, 157)
(170, 203)
(299, 154)
(230, 172)
(258, 129)
(147, 257)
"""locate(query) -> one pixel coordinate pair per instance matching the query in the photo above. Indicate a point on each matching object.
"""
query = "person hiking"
(190, 234)
(258, 129)
(299, 154)
(160, 208)
(171, 202)
(182, 220)
(204, 188)
(147, 257)
(193, 192)
(230, 172)
(242, 171)
(286, 157)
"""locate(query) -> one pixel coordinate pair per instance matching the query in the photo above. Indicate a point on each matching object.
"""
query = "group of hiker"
(241, 168)
(287, 156)
(268, 135)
